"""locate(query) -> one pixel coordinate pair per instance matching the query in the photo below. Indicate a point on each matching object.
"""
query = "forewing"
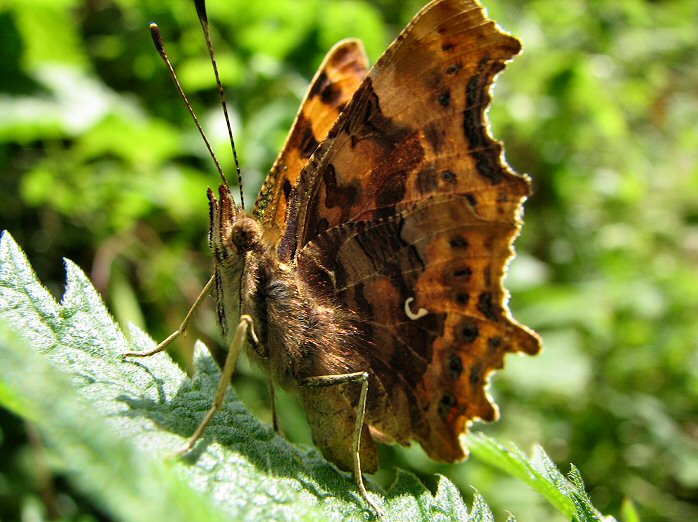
(415, 127)
(340, 74)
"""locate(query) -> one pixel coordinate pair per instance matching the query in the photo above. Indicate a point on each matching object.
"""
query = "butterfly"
(368, 277)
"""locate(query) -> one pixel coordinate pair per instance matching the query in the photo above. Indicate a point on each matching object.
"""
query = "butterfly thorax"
(300, 332)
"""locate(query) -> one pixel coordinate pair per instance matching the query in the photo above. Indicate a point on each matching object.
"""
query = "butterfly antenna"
(203, 19)
(159, 45)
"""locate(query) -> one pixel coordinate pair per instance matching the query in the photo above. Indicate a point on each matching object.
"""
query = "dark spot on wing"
(328, 92)
(475, 375)
(458, 242)
(309, 143)
(494, 343)
(429, 180)
(463, 272)
(469, 331)
(303, 138)
(448, 177)
(331, 95)
(320, 83)
(488, 307)
(447, 403)
(462, 298)
(455, 366)
(454, 69)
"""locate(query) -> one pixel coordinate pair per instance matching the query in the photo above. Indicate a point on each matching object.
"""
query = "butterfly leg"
(255, 344)
(182, 327)
(274, 415)
(228, 369)
(262, 352)
(325, 381)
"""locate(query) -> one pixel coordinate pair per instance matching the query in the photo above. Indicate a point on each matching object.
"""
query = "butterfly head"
(232, 232)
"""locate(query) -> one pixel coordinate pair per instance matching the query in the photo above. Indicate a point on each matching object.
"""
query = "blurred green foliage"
(100, 163)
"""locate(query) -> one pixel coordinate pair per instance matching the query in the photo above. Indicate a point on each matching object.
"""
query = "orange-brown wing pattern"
(416, 126)
(340, 74)
(425, 286)
(405, 215)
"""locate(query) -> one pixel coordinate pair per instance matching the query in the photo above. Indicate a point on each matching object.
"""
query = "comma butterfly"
(368, 277)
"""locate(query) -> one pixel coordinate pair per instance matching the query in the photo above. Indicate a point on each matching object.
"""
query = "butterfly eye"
(245, 233)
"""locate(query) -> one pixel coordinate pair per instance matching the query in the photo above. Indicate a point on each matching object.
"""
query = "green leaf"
(629, 512)
(567, 496)
(129, 483)
(481, 511)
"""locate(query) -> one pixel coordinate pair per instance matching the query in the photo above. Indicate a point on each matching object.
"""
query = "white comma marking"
(409, 313)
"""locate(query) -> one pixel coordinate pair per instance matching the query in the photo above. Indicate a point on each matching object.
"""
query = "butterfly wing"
(425, 285)
(340, 74)
(416, 126)
(405, 216)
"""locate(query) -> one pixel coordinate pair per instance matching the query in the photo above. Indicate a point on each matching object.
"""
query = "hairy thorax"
(300, 333)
